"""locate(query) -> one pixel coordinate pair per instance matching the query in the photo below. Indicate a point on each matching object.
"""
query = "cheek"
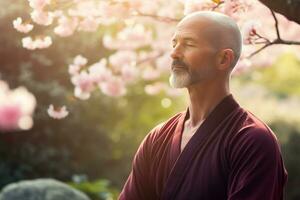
(200, 59)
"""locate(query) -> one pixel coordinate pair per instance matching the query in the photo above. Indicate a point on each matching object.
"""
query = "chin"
(179, 81)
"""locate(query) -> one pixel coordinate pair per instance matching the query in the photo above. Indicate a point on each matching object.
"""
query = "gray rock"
(41, 189)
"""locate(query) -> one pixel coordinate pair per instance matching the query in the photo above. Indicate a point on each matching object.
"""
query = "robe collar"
(179, 159)
(226, 106)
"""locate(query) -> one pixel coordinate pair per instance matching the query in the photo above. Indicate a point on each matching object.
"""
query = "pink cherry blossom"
(114, 11)
(83, 85)
(16, 108)
(24, 99)
(113, 87)
(42, 43)
(80, 60)
(88, 24)
(109, 42)
(145, 6)
(84, 9)
(120, 58)
(58, 113)
(74, 69)
(66, 26)
(99, 72)
(9, 117)
(57, 13)
(38, 4)
(234, 8)
(137, 35)
(129, 73)
(24, 28)
(197, 5)
(167, 8)
(41, 17)
(249, 31)
(38, 43)
(28, 43)
(81, 94)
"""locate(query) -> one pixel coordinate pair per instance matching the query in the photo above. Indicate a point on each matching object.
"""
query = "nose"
(176, 53)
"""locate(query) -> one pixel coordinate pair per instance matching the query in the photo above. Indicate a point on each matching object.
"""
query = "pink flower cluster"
(39, 15)
(137, 35)
(87, 79)
(123, 63)
(39, 43)
(66, 26)
(195, 5)
(39, 4)
(22, 27)
(16, 108)
(58, 113)
(249, 31)
(42, 18)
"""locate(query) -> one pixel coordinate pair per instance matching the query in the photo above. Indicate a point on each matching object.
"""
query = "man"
(215, 150)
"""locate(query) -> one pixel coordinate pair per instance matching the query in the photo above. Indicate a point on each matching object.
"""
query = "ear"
(225, 59)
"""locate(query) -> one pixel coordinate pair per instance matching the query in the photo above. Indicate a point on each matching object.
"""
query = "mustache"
(180, 63)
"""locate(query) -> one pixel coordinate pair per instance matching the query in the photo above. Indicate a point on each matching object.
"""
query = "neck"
(204, 98)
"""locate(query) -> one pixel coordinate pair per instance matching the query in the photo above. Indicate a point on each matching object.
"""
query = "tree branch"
(276, 23)
(288, 8)
(259, 50)
(278, 40)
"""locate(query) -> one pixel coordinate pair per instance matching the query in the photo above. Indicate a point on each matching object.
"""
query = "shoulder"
(157, 137)
(162, 130)
(254, 137)
(255, 129)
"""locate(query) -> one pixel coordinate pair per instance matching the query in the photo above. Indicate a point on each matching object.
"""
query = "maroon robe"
(233, 155)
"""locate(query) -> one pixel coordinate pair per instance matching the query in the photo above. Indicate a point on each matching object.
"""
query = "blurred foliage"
(101, 135)
(97, 190)
(282, 79)
(291, 152)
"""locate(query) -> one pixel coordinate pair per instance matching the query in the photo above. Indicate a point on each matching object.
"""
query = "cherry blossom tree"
(288, 8)
(140, 40)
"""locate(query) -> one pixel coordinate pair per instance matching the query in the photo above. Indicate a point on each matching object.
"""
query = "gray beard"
(179, 80)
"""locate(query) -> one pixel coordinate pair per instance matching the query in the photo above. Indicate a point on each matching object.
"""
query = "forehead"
(190, 29)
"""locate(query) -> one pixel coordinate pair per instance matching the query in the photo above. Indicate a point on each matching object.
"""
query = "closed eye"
(190, 45)
(185, 44)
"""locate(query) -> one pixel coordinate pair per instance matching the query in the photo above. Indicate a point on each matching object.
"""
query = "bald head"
(218, 29)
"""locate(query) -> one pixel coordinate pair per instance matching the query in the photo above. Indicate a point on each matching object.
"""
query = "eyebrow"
(185, 39)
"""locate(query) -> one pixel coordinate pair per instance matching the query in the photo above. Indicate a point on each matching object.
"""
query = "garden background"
(93, 147)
